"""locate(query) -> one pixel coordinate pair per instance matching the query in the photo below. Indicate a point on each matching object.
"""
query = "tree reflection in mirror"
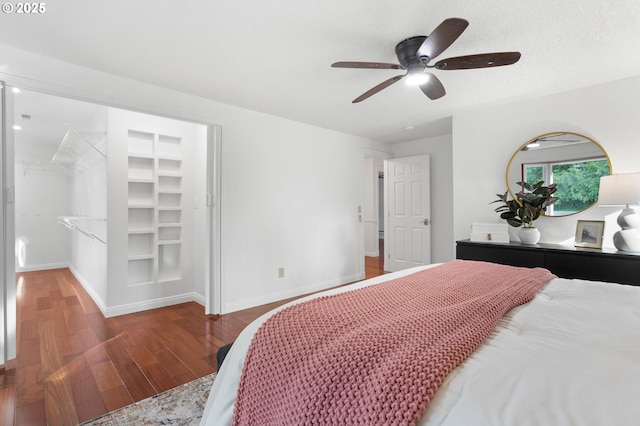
(574, 162)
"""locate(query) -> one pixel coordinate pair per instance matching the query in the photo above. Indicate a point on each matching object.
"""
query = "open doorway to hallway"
(374, 218)
(374, 265)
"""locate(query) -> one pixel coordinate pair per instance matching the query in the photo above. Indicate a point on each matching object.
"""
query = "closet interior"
(115, 196)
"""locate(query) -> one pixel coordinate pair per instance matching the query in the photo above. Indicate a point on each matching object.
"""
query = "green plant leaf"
(527, 205)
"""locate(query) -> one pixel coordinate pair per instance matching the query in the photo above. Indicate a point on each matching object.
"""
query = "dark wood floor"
(74, 365)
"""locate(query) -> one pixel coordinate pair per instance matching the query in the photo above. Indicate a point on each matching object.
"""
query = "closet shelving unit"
(77, 153)
(155, 207)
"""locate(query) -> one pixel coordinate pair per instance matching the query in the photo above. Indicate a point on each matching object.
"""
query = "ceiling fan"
(416, 53)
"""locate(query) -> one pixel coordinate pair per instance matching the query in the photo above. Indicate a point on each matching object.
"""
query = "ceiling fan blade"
(442, 37)
(378, 88)
(370, 65)
(484, 60)
(433, 88)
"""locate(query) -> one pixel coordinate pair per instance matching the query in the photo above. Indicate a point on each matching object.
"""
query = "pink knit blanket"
(376, 355)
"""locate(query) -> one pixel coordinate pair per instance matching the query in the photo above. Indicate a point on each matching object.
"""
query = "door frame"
(213, 291)
(9, 331)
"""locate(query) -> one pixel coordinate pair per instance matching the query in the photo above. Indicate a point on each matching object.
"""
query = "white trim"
(96, 298)
(213, 291)
(43, 267)
(3, 225)
(9, 327)
(274, 297)
(131, 308)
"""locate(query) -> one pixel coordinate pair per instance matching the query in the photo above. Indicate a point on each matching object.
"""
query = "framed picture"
(589, 233)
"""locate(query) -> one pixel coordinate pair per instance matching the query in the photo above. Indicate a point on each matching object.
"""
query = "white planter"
(529, 235)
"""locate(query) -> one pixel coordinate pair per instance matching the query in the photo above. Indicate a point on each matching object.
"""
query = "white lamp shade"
(619, 190)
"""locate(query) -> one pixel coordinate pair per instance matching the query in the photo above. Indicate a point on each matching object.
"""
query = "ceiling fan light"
(417, 78)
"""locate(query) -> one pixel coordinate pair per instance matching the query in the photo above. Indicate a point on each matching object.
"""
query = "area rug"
(182, 405)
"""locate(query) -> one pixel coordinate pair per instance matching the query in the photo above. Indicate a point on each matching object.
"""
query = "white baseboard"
(274, 297)
(42, 267)
(96, 298)
(130, 308)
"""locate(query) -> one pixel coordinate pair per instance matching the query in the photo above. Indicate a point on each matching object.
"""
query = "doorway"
(374, 264)
(373, 217)
(56, 165)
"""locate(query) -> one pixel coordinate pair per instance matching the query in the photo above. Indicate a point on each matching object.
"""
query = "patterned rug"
(182, 405)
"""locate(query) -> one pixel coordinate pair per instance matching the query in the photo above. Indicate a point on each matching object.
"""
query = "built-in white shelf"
(140, 168)
(155, 208)
(169, 216)
(169, 261)
(169, 166)
(140, 271)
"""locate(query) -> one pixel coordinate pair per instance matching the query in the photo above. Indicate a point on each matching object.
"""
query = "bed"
(569, 356)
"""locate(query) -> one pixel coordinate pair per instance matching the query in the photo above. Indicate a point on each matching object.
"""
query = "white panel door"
(407, 202)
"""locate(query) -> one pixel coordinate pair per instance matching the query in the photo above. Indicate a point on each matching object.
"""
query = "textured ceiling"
(274, 56)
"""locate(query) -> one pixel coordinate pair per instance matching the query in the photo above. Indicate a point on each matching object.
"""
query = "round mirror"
(573, 161)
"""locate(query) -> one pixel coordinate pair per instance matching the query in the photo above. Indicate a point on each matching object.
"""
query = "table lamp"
(623, 190)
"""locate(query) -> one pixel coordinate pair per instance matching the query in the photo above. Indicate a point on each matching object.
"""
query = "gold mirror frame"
(555, 154)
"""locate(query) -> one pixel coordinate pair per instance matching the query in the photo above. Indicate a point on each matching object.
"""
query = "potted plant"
(527, 206)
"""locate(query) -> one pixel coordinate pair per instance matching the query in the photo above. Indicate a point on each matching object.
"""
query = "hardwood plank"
(7, 396)
(106, 376)
(87, 397)
(7, 405)
(32, 413)
(115, 398)
(174, 366)
(29, 352)
(71, 346)
(159, 378)
(29, 385)
(141, 356)
(135, 381)
(58, 395)
(87, 338)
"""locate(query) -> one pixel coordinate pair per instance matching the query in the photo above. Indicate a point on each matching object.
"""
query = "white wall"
(89, 200)
(289, 193)
(42, 194)
(440, 152)
(290, 199)
(484, 140)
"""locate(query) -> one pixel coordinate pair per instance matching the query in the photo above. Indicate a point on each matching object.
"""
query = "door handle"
(425, 222)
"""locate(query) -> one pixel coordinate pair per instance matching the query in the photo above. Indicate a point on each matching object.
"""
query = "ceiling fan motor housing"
(406, 50)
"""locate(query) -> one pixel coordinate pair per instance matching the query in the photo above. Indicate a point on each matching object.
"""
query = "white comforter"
(569, 357)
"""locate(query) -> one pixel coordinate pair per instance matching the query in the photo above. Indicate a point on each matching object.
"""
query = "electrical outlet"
(281, 272)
